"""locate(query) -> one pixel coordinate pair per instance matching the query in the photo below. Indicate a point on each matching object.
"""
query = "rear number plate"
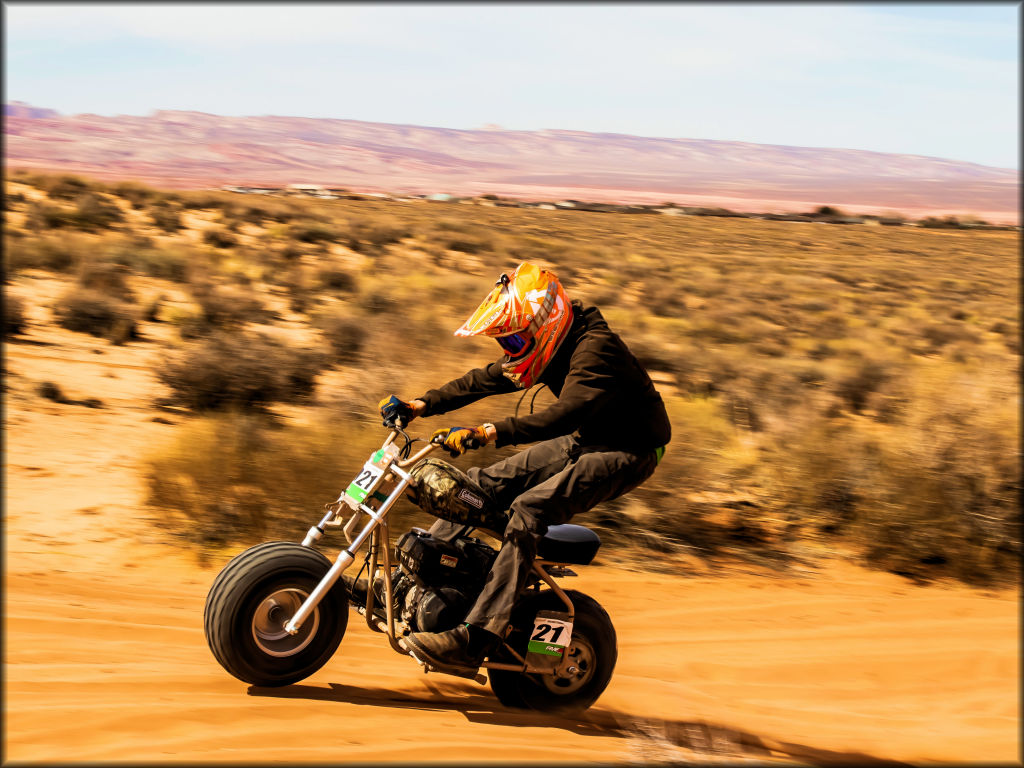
(550, 637)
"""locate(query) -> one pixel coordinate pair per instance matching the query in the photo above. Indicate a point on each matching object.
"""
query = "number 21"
(543, 629)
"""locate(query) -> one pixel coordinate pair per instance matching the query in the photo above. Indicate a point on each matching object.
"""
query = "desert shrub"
(465, 245)
(820, 351)
(466, 237)
(88, 311)
(366, 236)
(249, 213)
(601, 293)
(12, 198)
(703, 453)
(826, 211)
(289, 252)
(300, 296)
(856, 389)
(142, 256)
(942, 334)
(279, 211)
(312, 232)
(453, 225)
(939, 498)
(239, 371)
(725, 331)
(92, 212)
(107, 278)
(530, 248)
(376, 303)
(226, 307)
(56, 252)
(379, 235)
(345, 335)
(42, 216)
(14, 315)
(171, 262)
(151, 313)
(300, 300)
(769, 348)
(228, 480)
(219, 238)
(51, 391)
(934, 222)
(811, 376)
(65, 187)
(166, 217)
(137, 194)
(664, 298)
(338, 279)
(198, 200)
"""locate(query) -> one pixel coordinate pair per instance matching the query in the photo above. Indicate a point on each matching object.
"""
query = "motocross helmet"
(529, 315)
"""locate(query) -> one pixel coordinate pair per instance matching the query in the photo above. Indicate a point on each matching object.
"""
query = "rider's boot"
(464, 647)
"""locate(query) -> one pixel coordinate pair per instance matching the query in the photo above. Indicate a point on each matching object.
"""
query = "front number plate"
(361, 486)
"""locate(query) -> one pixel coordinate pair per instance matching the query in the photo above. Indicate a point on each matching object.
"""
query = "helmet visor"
(514, 343)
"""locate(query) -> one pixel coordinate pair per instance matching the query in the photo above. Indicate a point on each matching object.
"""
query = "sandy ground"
(105, 658)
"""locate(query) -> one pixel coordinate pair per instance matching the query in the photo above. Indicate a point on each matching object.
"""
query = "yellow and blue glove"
(457, 440)
(393, 411)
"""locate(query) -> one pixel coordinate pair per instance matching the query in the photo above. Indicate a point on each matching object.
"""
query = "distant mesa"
(21, 109)
(195, 149)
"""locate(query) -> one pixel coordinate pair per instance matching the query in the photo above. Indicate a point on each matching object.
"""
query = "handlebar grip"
(471, 443)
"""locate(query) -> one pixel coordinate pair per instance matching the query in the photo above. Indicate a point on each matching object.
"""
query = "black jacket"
(603, 393)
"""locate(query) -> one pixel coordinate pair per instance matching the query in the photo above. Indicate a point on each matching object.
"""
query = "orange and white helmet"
(529, 315)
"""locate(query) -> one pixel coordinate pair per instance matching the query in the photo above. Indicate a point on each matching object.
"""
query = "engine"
(440, 579)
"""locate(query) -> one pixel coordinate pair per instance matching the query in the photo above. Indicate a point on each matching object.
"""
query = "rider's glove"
(457, 440)
(392, 409)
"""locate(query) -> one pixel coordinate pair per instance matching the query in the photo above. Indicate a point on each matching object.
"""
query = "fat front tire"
(592, 651)
(249, 603)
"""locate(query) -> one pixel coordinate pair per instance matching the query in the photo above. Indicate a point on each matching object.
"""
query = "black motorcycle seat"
(569, 543)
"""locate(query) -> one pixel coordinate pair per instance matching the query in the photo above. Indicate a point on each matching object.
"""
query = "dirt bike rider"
(602, 437)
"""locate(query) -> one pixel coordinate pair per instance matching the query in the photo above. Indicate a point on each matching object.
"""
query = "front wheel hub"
(273, 613)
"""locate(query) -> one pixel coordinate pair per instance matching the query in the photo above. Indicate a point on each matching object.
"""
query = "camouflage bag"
(446, 492)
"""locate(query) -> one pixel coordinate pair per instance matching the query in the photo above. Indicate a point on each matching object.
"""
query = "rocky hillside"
(189, 149)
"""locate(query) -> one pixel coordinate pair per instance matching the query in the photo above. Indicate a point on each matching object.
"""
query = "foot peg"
(469, 674)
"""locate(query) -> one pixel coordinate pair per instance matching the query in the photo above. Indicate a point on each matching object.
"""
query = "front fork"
(377, 525)
(347, 556)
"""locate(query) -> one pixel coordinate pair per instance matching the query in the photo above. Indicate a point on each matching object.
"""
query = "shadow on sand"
(654, 739)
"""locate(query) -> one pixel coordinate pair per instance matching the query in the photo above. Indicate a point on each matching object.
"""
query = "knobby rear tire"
(249, 602)
(592, 627)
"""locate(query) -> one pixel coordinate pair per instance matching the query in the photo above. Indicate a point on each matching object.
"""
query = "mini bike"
(278, 611)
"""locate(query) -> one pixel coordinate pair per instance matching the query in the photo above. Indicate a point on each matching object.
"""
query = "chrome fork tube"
(392, 637)
(347, 555)
(371, 578)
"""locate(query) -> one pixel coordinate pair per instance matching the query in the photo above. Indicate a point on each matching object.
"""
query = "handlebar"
(432, 444)
(428, 448)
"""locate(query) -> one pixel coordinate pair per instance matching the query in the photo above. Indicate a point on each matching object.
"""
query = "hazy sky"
(927, 79)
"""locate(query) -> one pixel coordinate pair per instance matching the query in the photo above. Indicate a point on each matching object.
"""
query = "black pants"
(546, 484)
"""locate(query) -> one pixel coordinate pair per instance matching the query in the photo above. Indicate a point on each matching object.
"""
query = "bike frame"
(377, 533)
